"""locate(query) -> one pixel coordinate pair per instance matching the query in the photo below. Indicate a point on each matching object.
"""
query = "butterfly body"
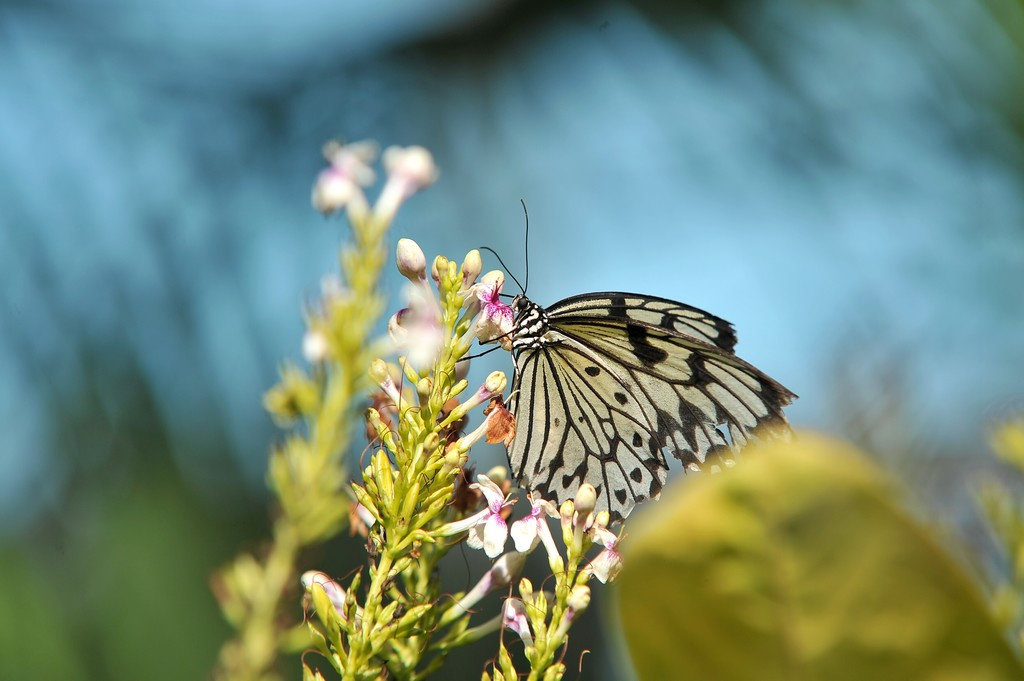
(606, 383)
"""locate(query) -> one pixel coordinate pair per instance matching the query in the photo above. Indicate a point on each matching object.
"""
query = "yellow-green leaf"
(799, 563)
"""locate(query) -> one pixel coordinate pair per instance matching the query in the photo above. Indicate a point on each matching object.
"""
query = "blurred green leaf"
(799, 564)
(1008, 442)
(34, 631)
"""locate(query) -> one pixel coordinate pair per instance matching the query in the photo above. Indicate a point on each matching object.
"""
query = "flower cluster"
(413, 508)
(542, 619)
(404, 500)
(417, 497)
(307, 473)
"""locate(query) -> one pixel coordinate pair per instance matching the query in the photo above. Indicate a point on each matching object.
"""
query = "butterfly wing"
(617, 378)
(571, 433)
(652, 311)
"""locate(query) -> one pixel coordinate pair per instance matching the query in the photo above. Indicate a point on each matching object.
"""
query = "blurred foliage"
(799, 563)
(1003, 506)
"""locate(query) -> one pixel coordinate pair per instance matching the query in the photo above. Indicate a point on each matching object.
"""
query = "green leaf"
(799, 564)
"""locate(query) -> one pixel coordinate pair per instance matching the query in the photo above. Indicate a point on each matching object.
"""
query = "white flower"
(607, 565)
(340, 185)
(353, 159)
(487, 528)
(412, 165)
(315, 346)
(416, 330)
(533, 528)
(409, 169)
(496, 318)
(513, 616)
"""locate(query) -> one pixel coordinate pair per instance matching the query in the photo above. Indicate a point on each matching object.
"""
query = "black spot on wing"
(642, 348)
(592, 371)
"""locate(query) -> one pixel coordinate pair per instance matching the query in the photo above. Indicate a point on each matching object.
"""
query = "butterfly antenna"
(481, 354)
(527, 246)
(492, 251)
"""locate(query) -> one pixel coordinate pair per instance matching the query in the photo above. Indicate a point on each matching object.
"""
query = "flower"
(501, 574)
(487, 528)
(334, 592)
(494, 385)
(380, 374)
(315, 346)
(496, 319)
(412, 264)
(533, 528)
(577, 601)
(417, 329)
(471, 268)
(409, 169)
(340, 184)
(607, 565)
(586, 499)
(513, 616)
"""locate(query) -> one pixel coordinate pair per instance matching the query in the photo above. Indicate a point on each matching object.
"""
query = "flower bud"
(414, 164)
(333, 191)
(411, 262)
(586, 499)
(439, 268)
(334, 592)
(579, 598)
(496, 382)
(471, 268)
(454, 457)
(379, 373)
(423, 387)
(498, 475)
(526, 589)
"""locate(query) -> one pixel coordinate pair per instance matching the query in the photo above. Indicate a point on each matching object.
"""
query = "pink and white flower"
(409, 169)
(533, 528)
(496, 319)
(487, 528)
(513, 616)
(340, 185)
(607, 565)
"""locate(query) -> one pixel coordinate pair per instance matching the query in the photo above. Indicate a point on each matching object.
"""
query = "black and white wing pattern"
(605, 382)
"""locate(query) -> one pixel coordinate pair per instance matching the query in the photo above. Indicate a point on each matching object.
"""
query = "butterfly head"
(531, 322)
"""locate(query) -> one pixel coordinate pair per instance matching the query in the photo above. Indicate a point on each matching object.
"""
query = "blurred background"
(841, 179)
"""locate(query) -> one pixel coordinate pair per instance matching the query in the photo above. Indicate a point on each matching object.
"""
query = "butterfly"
(605, 383)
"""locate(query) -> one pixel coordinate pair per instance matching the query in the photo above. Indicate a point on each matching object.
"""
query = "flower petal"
(495, 533)
(524, 534)
(490, 490)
